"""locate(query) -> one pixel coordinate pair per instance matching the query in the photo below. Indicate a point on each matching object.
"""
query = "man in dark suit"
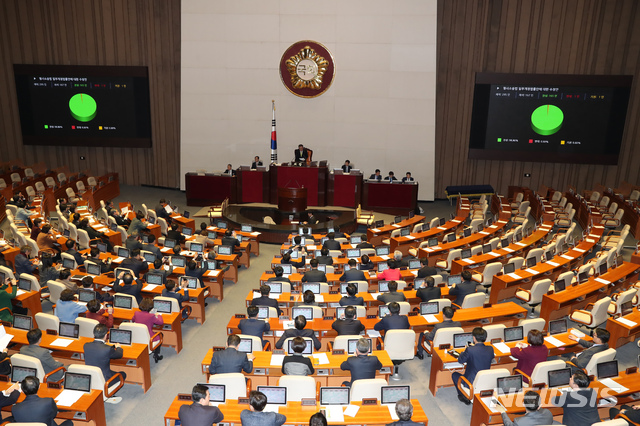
(253, 326)
(99, 354)
(463, 289)
(428, 290)
(392, 295)
(351, 299)
(426, 270)
(230, 360)
(477, 357)
(400, 261)
(125, 284)
(279, 272)
(33, 349)
(391, 178)
(13, 393)
(265, 300)
(348, 325)
(230, 240)
(337, 233)
(353, 274)
(174, 234)
(199, 412)
(346, 167)
(376, 176)
(364, 244)
(447, 321)
(324, 258)
(171, 290)
(94, 256)
(361, 366)
(161, 211)
(301, 154)
(256, 162)
(393, 321)
(151, 246)
(35, 409)
(71, 249)
(404, 410)
(580, 406)
(300, 323)
(331, 243)
(534, 415)
(599, 344)
(314, 275)
(407, 178)
(192, 270)
(135, 262)
(133, 242)
(229, 170)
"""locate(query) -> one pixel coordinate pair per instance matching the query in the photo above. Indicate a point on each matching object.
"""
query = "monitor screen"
(274, 394)
(322, 267)
(145, 238)
(102, 247)
(382, 266)
(225, 250)
(24, 284)
(210, 265)
(276, 288)
(246, 228)
(93, 269)
(356, 239)
(286, 269)
(263, 312)
(509, 268)
(340, 312)
(514, 334)
(531, 262)
(558, 378)
(465, 253)
(353, 253)
(442, 221)
(169, 243)
(583, 277)
(314, 287)
(343, 288)
(113, 227)
(212, 235)
(334, 396)
(66, 233)
(397, 219)
(162, 306)
(19, 373)
(404, 232)
(149, 257)
(548, 255)
(308, 349)
(509, 384)
(78, 382)
(504, 243)
(383, 311)
(429, 308)
(68, 263)
(393, 394)
(151, 220)
(379, 223)
(217, 393)
(178, 261)
(603, 268)
(85, 295)
(197, 247)
(124, 302)
(305, 312)
(117, 335)
(414, 264)
(558, 326)
(549, 117)
(559, 285)
(154, 278)
(383, 286)
(295, 255)
(68, 329)
(466, 232)
(382, 251)
(461, 340)
(518, 236)
(187, 231)
(432, 242)
(246, 345)
(454, 279)
(486, 248)
(123, 252)
(607, 369)
(192, 282)
(417, 283)
(23, 322)
(351, 345)
(451, 237)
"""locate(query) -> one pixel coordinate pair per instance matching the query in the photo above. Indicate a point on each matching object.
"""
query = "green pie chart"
(547, 120)
(83, 107)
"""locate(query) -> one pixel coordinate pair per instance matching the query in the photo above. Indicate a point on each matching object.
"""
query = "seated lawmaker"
(393, 295)
(531, 353)
(365, 263)
(324, 258)
(67, 309)
(428, 290)
(466, 287)
(404, 410)
(393, 321)
(477, 357)
(351, 299)
(534, 414)
(135, 262)
(34, 337)
(300, 155)
(230, 239)
(253, 326)
(426, 270)
(376, 176)
(255, 416)
(447, 321)
(391, 177)
(296, 364)
(353, 274)
(36, 409)
(256, 162)
(392, 273)
(229, 170)
(231, 360)
(286, 260)
(265, 300)
(300, 322)
(362, 365)
(599, 344)
(331, 243)
(199, 411)
(348, 324)
(407, 178)
(279, 275)
(124, 283)
(174, 234)
(314, 275)
(346, 167)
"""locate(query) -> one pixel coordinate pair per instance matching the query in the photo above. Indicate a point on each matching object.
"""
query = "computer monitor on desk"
(308, 349)
(429, 308)
(393, 394)
(217, 393)
(461, 340)
(509, 384)
(275, 394)
(558, 326)
(276, 288)
(559, 378)
(154, 278)
(313, 287)
(245, 345)
(514, 334)
(607, 369)
(304, 311)
(382, 251)
(352, 345)
(334, 396)
(77, 382)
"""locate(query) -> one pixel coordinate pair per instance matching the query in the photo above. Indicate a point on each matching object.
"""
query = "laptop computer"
(246, 345)
(162, 306)
(559, 378)
(308, 350)
(334, 396)
(356, 239)
(68, 329)
(102, 247)
(314, 287)
(509, 384)
(607, 369)
(508, 268)
(186, 231)
(451, 238)
(432, 242)
(323, 268)
(222, 225)
(19, 373)
(86, 295)
(486, 248)
(397, 219)
(404, 232)
(217, 393)
(465, 253)
(24, 284)
(263, 312)
(123, 302)
(466, 232)
(429, 308)
(442, 221)
(461, 340)
(225, 250)
(351, 346)
(383, 311)
(393, 394)
(531, 262)
(514, 334)
(77, 382)
(558, 326)
(93, 269)
(178, 261)
(22, 322)
(305, 312)
(559, 286)
(117, 335)
(340, 312)
(154, 278)
(383, 286)
(211, 265)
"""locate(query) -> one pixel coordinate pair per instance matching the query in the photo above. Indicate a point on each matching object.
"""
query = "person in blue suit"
(361, 366)
(253, 326)
(231, 360)
(463, 289)
(353, 274)
(477, 357)
(393, 321)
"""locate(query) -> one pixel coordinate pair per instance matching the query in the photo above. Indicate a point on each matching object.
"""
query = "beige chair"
(535, 253)
(234, 383)
(47, 321)
(71, 195)
(367, 388)
(517, 261)
(494, 331)
(593, 315)
(615, 307)
(604, 356)
(434, 222)
(108, 387)
(486, 277)
(86, 326)
(40, 187)
(614, 221)
(19, 360)
(394, 234)
(92, 182)
(364, 218)
(446, 264)
(140, 334)
(35, 284)
(474, 300)
(80, 186)
(540, 375)
(442, 303)
(565, 220)
(55, 288)
(299, 387)
(51, 183)
(163, 226)
(485, 380)
(8, 273)
(532, 324)
(533, 297)
(522, 216)
(83, 239)
(15, 178)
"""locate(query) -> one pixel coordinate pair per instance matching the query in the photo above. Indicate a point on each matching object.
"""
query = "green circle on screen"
(83, 107)
(547, 120)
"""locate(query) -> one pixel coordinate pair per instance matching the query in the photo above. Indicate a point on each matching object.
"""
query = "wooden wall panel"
(531, 36)
(97, 32)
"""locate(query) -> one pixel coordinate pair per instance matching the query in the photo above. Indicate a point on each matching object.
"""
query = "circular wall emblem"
(307, 69)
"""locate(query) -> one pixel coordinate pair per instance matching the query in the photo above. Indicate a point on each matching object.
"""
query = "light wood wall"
(531, 36)
(97, 32)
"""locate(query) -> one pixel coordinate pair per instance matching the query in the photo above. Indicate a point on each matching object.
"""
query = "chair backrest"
(256, 342)
(539, 374)
(599, 311)
(40, 186)
(494, 331)
(91, 180)
(62, 177)
(15, 177)
(298, 387)
(47, 321)
(489, 271)
(453, 255)
(35, 284)
(445, 335)
(80, 186)
(604, 356)
(175, 306)
(69, 257)
(86, 326)
(539, 289)
(434, 222)
(55, 288)
(70, 192)
(234, 383)
(400, 344)
(34, 247)
(19, 360)
(395, 233)
(28, 172)
(335, 253)
(529, 324)
(475, 300)
(342, 342)
(566, 277)
(494, 243)
(556, 196)
(97, 378)
(73, 232)
(139, 332)
(517, 261)
(134, 302)
(442, 303)
(367, 388)
(30, 191)
(536, 253)
(363, 286)
(83, 239)
(8, 273)
(50, 181)
(488, 379)
(405, 307)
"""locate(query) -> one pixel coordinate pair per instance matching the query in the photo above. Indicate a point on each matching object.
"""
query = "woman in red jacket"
(530, 354)
(143, 316)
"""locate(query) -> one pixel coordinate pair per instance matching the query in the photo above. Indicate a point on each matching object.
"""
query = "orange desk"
(376, 235)
(622, 333)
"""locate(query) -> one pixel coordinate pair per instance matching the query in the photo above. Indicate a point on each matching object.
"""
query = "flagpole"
(274, 143)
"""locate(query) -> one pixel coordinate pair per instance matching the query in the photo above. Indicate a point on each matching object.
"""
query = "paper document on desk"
(118, 259)
(442, 228)
(493, 254)
(20, 292)
(4, 338)
(319, 298)
(351, 410)
(256, 294)
(579, 249)
(271, 408)
(566, 257)
(375, 295)
(554, 264)
(453, 365)
(214, 273)
(255, 234)
(68, 397)
(392, 411)
(514, 276)
(626, 322)
(150, 287)
(276, 360)
(287, 325)
(603, 281)
(507, 249)
(385, 257)
(410, 237)
(531, 271)
(334, 413)
(375, 230)
(613, 385)
(483, 233)
(553, 341)
(492, 406)
(63, 343)
(468, 260)
(430, 318)
(395, 225)
(373, 333)
(322, 358)
(415, 273)
(455, 221)
(502, 347)
(166, 250)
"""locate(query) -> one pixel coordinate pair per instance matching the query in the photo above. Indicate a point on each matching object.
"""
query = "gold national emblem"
(307, 68)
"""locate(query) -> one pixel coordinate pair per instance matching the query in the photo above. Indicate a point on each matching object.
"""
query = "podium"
(314, 179)
(292, 200)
